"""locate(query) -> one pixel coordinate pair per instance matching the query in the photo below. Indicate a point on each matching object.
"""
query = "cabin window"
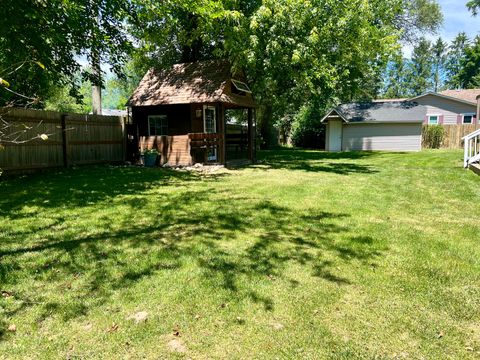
(209, 119)
(240, 88)
(433, 119)
(157, 125)
(467, 118)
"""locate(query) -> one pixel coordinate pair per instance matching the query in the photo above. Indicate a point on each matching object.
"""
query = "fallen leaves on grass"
(176, 331)
(113, 328)
(12, 328)
(239, 320)
(6, 294)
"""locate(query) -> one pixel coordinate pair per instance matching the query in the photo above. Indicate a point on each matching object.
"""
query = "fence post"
(64, 140)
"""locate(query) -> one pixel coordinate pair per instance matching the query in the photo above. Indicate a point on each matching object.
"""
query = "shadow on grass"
(85, 186)
(341, 163)
(233, 243)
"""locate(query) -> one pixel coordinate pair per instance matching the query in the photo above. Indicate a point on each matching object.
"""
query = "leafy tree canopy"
(56, 33)
(474, 6)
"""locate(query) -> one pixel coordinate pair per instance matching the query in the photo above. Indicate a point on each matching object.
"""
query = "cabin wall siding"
(450, 109)
(197, 122)
(179, 121)
(175, 147)
(391, 137)
(174, 150)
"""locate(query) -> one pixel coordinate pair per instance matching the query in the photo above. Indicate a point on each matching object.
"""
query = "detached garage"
(376, 125)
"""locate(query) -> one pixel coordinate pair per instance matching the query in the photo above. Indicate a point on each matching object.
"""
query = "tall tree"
(455, 57)
(396, 83)
(469, 74)
(439, 49)
(421, 67)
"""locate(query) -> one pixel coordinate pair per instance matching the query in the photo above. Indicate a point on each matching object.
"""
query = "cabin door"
(210, 127)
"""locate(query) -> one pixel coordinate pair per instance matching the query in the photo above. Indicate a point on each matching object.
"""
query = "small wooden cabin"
(181, 111)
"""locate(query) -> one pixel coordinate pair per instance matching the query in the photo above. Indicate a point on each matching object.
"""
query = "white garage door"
(392, 137)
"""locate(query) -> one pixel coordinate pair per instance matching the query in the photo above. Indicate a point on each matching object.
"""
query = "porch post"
(250, 134)
(223, 133)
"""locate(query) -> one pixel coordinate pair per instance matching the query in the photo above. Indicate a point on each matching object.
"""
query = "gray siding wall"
(392, 137)
(448, 108)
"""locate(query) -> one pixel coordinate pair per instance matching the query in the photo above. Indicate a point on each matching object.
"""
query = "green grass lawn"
(306, 255)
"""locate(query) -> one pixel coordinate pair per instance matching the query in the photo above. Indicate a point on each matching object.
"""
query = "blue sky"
(456, 18)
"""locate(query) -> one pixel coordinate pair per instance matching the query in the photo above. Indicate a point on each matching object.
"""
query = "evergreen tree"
(439, 61)
(455, 56)
(396, 79)
(421, 67)
(469, 74)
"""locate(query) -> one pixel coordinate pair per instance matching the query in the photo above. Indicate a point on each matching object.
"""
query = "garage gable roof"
(379, 112)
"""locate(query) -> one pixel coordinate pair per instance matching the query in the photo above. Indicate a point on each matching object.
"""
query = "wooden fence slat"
(64, 142)
(453, 135)
(73, 139)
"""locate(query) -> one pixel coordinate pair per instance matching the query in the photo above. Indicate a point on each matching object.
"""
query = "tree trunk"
(97, 86)
(96, 70)
(265, 122)
(191, 52)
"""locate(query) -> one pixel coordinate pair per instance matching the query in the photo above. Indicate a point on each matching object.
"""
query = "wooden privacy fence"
(72, 139)
(453, 135)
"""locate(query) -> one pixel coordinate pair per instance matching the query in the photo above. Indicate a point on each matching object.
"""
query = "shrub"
(307, 131)
(433, 136)
(150, 152)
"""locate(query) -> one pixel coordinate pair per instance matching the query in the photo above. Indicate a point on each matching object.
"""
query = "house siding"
(389, 137)
(450, 109)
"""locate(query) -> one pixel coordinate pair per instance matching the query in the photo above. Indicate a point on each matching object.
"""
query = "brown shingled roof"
(198, 82)
(465, 94)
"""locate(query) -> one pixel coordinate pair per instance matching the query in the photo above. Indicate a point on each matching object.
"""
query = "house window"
(433, 119)
(467, 118)
(157, 125)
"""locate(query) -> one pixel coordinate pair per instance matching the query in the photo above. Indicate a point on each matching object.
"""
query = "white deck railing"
(472, 148)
